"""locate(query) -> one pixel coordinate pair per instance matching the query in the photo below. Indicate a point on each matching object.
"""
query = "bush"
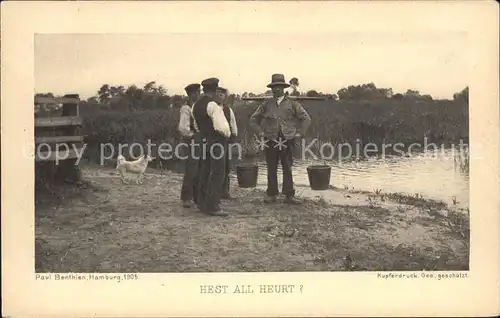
(390, 121)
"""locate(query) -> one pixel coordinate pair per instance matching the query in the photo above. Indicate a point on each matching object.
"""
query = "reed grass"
(335, 122)
(462, 160)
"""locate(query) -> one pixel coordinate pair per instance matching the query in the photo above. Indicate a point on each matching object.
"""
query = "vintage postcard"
(250, 158)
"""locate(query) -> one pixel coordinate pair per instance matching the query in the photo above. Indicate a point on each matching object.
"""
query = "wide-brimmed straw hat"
(278, 80)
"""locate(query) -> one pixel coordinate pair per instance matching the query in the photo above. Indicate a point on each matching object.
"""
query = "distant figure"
(222, 95)
(190, 134)
(275, 120)
(214, 130)
(289, 91)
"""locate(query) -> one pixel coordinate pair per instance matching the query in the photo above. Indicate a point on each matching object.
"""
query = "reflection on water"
(432, 175)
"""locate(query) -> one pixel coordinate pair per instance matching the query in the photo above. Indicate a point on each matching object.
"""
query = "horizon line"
(183, 93)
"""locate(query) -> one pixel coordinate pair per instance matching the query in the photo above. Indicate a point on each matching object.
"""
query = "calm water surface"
(432, 175)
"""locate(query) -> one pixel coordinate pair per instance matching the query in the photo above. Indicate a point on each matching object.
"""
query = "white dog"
(136, 167)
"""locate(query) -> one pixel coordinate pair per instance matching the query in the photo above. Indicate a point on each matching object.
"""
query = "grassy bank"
(104, 226)
(336, 122)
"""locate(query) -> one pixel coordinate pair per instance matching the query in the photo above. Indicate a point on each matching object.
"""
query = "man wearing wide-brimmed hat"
(190, 135)
(222, 94)
(279, 121)
(214, 131)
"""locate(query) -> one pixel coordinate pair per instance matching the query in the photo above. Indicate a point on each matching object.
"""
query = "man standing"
(214, 131)
(190, 135)
(278, 121)
(222, 95)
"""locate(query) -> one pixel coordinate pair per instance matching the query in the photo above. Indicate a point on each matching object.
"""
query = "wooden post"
(68, 170)
(54, 130)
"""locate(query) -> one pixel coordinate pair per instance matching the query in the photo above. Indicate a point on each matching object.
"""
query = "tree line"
(153, 96)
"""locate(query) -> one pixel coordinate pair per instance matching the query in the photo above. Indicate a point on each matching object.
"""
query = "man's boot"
(291, 200)
(270, 199)
(218, 213)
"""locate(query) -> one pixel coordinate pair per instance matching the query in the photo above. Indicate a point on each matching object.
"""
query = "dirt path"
(110, 227)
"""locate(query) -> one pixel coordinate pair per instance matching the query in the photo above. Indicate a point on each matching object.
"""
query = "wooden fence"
(58, 140)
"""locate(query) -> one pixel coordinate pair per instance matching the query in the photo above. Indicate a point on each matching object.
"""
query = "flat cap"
(211, 82)
(222, 89)
(192, 88)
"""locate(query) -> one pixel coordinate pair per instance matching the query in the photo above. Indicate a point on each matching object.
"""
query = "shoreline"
(312, 151)
(106, 227)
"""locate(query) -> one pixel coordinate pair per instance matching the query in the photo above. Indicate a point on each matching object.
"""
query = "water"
(431, 175)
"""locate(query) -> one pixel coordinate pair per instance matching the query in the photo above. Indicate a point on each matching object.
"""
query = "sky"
(432, 63)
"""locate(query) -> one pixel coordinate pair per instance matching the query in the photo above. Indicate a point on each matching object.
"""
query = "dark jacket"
(203, 121)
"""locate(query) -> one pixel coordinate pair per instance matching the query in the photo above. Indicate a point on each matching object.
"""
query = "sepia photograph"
(250, 158)
(195, 153)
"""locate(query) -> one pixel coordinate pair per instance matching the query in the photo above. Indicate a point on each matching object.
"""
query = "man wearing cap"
(214, 131)
(279, 121)
(190, 135)
(222, 94)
